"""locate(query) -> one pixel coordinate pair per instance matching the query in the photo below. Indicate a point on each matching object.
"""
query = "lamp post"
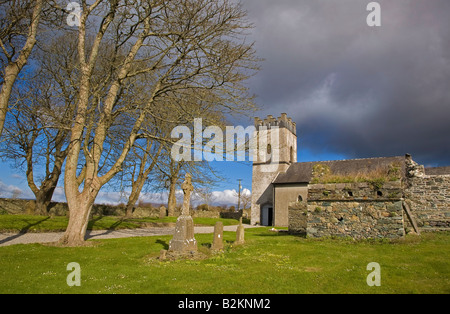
(239, 195)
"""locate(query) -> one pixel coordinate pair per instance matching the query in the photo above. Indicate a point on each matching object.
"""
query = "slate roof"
(301, 172)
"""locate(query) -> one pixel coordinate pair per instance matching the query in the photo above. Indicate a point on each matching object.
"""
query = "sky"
(354, 91)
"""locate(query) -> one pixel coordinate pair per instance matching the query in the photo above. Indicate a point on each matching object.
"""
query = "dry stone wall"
(429, 199)
(357, 210)
(298, 217)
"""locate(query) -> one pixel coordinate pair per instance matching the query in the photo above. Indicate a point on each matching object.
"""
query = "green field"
(30, 223)
(268, 262)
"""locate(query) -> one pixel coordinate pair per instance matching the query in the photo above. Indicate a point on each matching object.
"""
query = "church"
(280, 180)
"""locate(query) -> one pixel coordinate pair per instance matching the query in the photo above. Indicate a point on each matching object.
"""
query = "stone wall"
(298, 217)
(20, 206)
(357, 210)
(429, 199)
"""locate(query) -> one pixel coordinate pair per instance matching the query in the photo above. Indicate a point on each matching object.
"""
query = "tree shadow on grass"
(24, 230)
(110, 229)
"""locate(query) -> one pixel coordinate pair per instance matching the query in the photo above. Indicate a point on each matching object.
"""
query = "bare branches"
(13, 67)
(130, 72)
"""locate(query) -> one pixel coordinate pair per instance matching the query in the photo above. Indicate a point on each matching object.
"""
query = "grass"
(30, 223)
(267, 263)
(322, 174)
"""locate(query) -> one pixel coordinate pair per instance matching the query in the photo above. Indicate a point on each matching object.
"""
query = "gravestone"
(162, 212)
(240, 233)
(183, 240)
(217, 244)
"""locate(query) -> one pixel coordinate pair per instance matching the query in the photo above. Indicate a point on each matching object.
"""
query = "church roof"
(301, 172)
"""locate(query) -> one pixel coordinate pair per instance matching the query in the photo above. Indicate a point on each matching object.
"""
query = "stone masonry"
(427, 191)
(429, 199)
(356, 210)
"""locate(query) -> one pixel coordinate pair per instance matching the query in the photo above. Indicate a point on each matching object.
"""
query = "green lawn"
(268, 263)
(30, 223)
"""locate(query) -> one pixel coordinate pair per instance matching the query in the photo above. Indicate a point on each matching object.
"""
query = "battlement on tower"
(282, 122)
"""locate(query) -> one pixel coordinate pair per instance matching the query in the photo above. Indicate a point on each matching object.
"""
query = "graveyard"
(268, 262)
(257, 260)
(126, 125)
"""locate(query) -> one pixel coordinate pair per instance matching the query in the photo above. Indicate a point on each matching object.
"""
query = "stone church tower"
(276, 150)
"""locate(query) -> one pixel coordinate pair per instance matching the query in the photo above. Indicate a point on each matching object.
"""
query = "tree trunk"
(13, 69)
(43, 200)
(79, 210)
(134, 196)
(172, 203)
(137, 185)
(5, 93)
(45, 193)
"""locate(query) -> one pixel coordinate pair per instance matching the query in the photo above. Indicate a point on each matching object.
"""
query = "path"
(26, 238)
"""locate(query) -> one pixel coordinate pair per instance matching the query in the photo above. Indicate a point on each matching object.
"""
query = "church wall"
(262, 188)
(280, 135)
(285, 194)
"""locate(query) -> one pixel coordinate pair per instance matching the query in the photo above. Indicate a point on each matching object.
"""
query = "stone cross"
(183, 240)
(187, 190)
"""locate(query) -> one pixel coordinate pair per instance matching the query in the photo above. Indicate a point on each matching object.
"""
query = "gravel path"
(25, 238)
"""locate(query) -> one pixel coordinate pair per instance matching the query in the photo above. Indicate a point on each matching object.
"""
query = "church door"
(267, 215)
(270, 216)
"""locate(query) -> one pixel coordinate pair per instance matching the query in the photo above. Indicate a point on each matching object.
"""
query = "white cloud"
(225, 197)
(10, 191)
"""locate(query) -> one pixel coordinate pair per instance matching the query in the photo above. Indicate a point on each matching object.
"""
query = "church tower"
(276, 150)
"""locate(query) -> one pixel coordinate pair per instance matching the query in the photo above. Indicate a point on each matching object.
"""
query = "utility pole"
(239, 195)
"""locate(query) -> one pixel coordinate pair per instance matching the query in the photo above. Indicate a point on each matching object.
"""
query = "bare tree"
(143, 162)
(175, 46)
(246, 200)
(205, 193)
(33, 143)
(36, 135)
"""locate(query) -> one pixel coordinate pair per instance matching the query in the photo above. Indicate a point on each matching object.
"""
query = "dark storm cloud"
(353, 89)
